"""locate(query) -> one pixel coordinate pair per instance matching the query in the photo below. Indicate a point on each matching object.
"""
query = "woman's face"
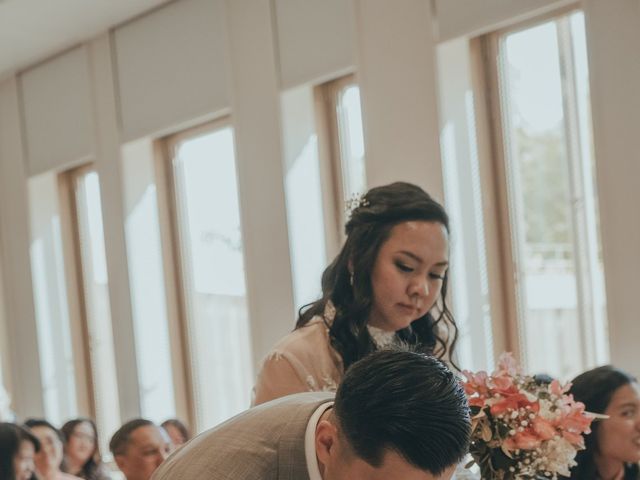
(175, 435)
(81, 443)
(619, 435)
(23, 465)
(49, 457)
(407, 275)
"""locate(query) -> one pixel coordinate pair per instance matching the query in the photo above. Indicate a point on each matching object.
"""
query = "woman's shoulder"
(303, 340)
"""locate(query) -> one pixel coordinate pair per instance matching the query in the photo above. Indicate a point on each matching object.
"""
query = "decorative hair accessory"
(356, 200)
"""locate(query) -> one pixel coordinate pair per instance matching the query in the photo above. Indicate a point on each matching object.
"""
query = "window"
(345, 141)
(545, 128)
(146, 274)
(50, 299)
(90, 239)
(351, 140)
(304, 184)
(211, 260)
(469, 279)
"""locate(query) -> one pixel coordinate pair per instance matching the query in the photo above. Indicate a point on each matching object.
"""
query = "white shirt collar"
(310, 442)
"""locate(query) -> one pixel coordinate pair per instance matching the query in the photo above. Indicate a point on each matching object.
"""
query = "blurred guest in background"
(82, 456)
(49, 459)
(139, 447)
(613, 448)
(18, 447)
(177, 431)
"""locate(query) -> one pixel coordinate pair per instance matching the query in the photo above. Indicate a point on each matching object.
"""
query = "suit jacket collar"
(292, 464)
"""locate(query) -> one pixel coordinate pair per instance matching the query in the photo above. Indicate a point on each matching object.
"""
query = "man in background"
(139, 447)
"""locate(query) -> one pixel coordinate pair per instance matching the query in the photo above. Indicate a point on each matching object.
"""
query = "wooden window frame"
(501, 253)
(175, 286)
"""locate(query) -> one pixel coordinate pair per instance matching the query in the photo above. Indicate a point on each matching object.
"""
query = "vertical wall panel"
(108, 165)
(315, 40)
(397, 75)
(171, 67)
(613, 39)
(257, 122)
(57, 112)
(14, 231)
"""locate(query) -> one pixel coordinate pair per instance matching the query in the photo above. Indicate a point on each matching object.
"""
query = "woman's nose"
(420, 287)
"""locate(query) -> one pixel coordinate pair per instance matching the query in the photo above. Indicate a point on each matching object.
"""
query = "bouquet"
(523, 429)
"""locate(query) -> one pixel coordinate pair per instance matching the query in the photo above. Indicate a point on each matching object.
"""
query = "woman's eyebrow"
(443, 263)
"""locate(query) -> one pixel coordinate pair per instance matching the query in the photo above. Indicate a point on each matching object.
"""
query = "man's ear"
(326, 441)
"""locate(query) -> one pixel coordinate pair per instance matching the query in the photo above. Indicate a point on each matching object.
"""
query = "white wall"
(14, 231)
(322, 27)
(613, 39)
(58, 122)
(257, 122)
(397, 76)
(171, 67)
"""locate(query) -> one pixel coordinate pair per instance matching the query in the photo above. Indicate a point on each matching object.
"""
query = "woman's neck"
(73, 466)
(609, 469)
(50, 474)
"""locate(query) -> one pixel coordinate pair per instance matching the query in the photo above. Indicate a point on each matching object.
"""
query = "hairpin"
(356, 200)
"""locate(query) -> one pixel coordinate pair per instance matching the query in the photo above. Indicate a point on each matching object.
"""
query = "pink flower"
(476, 402)
(557, 389)
(514, 401)
(506, 366)
(525, 440)
(543, 428)
(476, 383)
(575, 439)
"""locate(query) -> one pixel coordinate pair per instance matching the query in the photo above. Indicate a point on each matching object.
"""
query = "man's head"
(139, 447)
(397, 415)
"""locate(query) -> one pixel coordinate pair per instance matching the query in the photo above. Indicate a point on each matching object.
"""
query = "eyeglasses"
(84, 436)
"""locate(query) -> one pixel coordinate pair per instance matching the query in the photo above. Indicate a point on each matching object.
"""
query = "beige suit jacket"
(263, 443)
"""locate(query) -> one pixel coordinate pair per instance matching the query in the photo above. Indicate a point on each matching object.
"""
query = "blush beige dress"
(305, 361)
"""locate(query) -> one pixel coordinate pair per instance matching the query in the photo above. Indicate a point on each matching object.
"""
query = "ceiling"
(33, 30)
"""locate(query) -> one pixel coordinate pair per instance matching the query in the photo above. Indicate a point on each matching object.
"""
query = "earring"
(351, 279)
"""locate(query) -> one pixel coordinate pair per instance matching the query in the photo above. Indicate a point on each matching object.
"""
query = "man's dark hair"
(407, 402)
(120, 440)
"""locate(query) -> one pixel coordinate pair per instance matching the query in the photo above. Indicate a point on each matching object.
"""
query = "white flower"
(558, 456)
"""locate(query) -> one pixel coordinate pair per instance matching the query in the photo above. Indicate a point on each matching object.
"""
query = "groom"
(396, 415)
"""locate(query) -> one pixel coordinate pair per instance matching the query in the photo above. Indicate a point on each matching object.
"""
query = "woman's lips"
(410, 309)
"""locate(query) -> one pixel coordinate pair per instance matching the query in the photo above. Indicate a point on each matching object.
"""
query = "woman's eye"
(437, 276)
(403, 267)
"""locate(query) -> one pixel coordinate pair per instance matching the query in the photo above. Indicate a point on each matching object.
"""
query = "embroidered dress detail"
(381, 338)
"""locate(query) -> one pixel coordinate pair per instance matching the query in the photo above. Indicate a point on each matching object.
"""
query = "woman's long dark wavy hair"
(92, 469)
(595, 388)
(367, 230)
